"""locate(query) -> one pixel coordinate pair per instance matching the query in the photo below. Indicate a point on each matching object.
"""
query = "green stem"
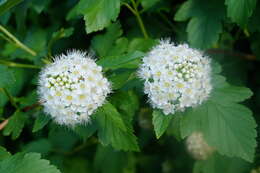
(135, 11)
(11, 99)
(5, 38)
(12, 64)
(129, 7)
(16, 41)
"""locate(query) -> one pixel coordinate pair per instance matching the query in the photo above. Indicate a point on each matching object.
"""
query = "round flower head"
(72, 88)
(198, 147)
(176, 77)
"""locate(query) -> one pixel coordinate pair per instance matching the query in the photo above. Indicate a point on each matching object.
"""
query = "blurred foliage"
(125, 134)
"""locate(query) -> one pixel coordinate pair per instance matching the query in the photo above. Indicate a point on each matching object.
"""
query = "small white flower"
(198, 147)
(72, 88)
(175, 75)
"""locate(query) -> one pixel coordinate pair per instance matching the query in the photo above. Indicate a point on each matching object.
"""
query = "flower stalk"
(135, 11)
(15, 41)
(19, 65)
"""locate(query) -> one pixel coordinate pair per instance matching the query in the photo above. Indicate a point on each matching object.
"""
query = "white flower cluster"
(175, 77)
(198, 147)
(72, 88)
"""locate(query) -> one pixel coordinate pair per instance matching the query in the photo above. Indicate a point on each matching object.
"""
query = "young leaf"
(161, 122)
(15, 125)
(112, 130)
(240, 10)
(29, 163)
(227, 125)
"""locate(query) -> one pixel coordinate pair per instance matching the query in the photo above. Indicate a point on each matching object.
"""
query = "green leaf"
(7, 5)
(218, 163)
(6, 77)
(203, 32)
(85, 130)
(77, 165)
(14, 88)
(103, 43)
(120, 47)
(174, 127)
(184, 12)
(120, 61)
(141, 44)
(42, 146)
(227, 125)
(61, 33)
(62, 138)
(3, 153)
(39, 6)
(2, 2)
(148, 3)
(119, 77)
(30, 99)
(255, 44)
(112, 161)
(29, 163)
(235, 94)
(254, 22)
(240, 10)
(206, 21)
(35, 39)
(127, 106)
(40, 122)
(112, 129)
(15, 125)
(98, 14)
(160, 122)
